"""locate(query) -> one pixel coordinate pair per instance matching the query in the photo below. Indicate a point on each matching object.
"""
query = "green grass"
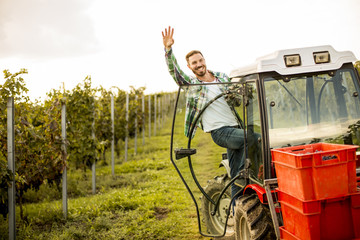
(145, 199)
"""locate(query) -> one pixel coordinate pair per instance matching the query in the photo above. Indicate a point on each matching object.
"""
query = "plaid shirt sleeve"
(175, 71)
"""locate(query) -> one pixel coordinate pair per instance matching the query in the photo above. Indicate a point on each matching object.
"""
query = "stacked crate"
(318, 191)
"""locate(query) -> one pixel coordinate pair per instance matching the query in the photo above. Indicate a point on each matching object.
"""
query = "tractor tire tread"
(246, 199)
(214, 186)
(258, 221)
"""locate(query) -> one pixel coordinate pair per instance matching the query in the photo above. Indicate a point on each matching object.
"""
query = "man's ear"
(189, 66)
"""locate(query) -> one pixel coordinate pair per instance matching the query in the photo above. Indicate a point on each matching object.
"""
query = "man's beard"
(201, 74)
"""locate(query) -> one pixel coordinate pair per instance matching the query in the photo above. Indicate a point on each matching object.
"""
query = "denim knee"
(228, 137)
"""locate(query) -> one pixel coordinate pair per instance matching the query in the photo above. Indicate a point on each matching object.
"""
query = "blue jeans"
(232, 139)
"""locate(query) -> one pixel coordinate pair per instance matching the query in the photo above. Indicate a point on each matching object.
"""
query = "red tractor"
(300, 112)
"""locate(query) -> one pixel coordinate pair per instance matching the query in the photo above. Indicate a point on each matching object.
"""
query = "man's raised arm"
(174, 69)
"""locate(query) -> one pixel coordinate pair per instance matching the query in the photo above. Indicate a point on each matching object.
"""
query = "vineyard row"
(40, 140)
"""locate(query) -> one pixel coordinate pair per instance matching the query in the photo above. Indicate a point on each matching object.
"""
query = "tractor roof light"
(292, 60)
(321, 57)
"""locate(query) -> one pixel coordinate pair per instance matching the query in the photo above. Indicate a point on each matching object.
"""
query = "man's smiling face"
(197, 65)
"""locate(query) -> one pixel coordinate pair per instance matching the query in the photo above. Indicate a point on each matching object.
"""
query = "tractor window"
(286, 102)
(337, 97)
(350, 92)
(338, 103)
(254, 133)
(312, 108)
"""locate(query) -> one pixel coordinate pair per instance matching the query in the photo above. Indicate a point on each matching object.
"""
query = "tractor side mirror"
(181, 153)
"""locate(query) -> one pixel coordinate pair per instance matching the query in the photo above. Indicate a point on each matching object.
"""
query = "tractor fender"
(225, 163)
(260, 191)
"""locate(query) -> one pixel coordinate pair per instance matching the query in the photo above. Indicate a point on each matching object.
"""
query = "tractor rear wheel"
(252, 219)
(216, 224)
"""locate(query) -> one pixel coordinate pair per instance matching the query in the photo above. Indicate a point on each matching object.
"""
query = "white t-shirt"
(218, 114)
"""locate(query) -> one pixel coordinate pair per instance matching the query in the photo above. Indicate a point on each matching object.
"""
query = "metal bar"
(155, 112)
(149, 116)
(163, 109)
(113, 136)
(143, 118)
(11, 165)
(159, 113)
(64, 156)
(93, 167)
(136, 124)
(127, 126)
(275, 221)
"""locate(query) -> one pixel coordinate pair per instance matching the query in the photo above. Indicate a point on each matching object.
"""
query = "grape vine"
(38, 152)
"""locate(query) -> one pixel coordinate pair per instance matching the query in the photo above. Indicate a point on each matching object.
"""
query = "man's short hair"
(193, 52)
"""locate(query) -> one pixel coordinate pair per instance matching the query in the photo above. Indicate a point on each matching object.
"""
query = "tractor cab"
(285, 99)
(302, 96)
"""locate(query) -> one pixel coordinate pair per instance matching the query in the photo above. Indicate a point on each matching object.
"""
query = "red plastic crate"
(316, 171)
(286, 235)
(334, 218)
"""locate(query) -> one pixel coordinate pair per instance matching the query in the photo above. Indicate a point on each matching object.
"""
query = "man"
(219, 118)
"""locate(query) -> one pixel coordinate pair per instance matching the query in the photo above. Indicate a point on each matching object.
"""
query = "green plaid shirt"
(195, 96)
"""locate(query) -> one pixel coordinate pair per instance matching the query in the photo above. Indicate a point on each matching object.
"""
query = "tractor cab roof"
(298, 60)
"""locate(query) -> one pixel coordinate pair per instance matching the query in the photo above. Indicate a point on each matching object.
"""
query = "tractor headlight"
(292, 60)
(321, 57)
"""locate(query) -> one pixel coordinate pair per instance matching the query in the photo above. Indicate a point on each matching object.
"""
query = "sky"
(119, 43)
